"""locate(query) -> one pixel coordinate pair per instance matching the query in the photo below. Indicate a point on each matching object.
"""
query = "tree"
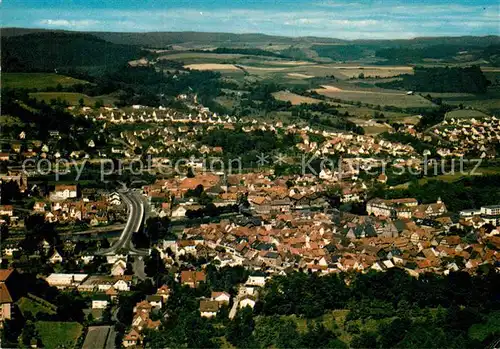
(239, 331)
(81, 102)
(154, 264)
(364, 340)
(98, 104)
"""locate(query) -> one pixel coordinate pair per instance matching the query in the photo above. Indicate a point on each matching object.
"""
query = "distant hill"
(163, 39)
(45, 51)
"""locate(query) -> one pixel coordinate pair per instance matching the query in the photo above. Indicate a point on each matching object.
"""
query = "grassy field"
(34, 305)
(72, 98)
(374, 96)
(293, 98)
(465, 113)
(37, 80)
(59, 334)
(211, 66)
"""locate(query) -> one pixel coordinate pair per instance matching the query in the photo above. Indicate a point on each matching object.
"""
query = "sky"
(362, 19)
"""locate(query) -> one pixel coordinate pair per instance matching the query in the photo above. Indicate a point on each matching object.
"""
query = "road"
(136, 211)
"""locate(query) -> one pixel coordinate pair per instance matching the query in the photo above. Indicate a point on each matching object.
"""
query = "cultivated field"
(211, 66)
(293, 98)
(374, 96)
(465, 113)
(37, 80)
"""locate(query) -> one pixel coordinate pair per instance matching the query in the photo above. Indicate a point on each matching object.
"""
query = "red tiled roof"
(4, 274)
(4, 294)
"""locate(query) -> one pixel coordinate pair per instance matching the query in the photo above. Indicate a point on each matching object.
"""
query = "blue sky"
(362, 19)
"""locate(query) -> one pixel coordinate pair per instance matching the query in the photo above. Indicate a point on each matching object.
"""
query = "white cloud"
(69, 23)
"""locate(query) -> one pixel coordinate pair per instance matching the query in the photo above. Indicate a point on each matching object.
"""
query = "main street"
(136, 211)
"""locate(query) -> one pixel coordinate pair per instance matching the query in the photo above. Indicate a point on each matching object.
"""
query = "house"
(155, 301)
(39, 206)
(6, 210)
(100, 301)
(63, 281)
(56, 258)
(192, 278)
(179, 212)
(221, 297)
(64, 192)
(119, 268)
(132, 339)
(247, 301)
(112, 293)
(256, 280)
(164, 292)
(6, 300)
(208, 309)
(122, 284)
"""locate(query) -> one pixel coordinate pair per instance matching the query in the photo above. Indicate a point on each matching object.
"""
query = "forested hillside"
(45, 51)
(454, 79)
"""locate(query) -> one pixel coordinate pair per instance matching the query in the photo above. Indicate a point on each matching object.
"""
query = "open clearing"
(38, 80)
(58, 334)
(72, 98)
(35, 305)
(293, 98)
(300, 76)
(211, 66)
(375, 97)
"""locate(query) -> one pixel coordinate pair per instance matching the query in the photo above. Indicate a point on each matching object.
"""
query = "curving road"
(136, 211)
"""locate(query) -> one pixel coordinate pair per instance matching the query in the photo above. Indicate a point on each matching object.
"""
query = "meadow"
(59, 334)
(72, 98)
(38, 80)
(374, 96)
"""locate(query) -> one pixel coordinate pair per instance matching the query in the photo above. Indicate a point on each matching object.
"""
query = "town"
(201, 189)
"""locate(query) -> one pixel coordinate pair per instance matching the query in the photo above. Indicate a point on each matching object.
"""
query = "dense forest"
(433, 311)
(448, 52)
(340, 52)
(41, 52)
(447, 79)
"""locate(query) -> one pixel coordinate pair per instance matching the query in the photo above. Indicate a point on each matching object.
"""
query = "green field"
(465, 113)
(374, 96)
(72, 98)
(35, 305)
(37, 80)
(59, 334)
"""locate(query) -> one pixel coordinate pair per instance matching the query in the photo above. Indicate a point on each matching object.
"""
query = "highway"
(136, 211)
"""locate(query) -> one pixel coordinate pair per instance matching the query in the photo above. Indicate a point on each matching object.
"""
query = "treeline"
(461, 301)
(405, 138)
(239, 143)
(438, 79)
(448, 52)
(44, 52)
(469, 192)
(340, 52)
